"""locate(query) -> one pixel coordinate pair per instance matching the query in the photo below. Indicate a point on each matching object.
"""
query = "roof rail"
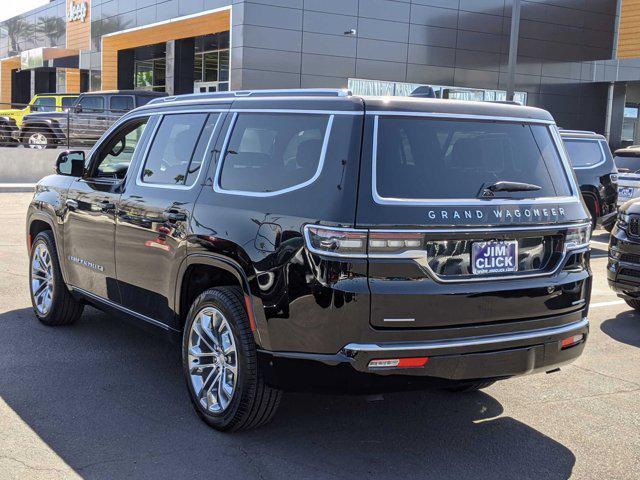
(584, 132)
(303, 92)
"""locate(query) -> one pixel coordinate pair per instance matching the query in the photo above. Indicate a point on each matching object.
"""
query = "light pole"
(513, 49)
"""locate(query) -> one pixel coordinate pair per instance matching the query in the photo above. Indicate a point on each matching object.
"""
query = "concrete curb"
(17, 187)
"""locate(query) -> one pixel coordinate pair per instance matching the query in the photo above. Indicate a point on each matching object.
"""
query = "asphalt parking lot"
(103, 399)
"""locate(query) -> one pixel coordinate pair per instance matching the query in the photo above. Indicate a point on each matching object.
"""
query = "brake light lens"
(578, 237)
(571, 341)
(395, 242)
(337, 241)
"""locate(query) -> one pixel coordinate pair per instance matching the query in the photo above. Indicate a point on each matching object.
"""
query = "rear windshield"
(424, 158)
(627, 164)
(584, 153)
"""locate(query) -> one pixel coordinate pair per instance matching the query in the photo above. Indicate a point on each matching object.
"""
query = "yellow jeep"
(47, 102)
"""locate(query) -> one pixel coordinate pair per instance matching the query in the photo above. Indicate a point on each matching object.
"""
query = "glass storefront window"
(630, 123)
(150, 74)
(211, 63)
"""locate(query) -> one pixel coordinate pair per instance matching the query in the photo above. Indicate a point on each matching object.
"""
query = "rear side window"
(630, 164)
(92, 103)
(178, 148)
(121, 103)
(68, 101)
(268, 153)
(424, 158)
(584, 153)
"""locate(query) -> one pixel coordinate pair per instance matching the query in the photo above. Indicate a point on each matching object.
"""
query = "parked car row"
(64, 120)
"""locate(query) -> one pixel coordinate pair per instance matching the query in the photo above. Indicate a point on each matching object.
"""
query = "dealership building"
(579, 59)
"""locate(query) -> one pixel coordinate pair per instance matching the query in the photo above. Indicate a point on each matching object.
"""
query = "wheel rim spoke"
(42, 278)
(212, 358)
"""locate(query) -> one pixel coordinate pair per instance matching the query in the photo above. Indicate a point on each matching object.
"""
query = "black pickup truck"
(82, 125)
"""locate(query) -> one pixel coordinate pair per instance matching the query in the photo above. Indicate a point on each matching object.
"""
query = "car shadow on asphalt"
(625, 327)
(109, 399)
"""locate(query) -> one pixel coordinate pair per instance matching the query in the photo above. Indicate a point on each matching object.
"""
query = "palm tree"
(51, 27)
(17, 29)
(108, 25)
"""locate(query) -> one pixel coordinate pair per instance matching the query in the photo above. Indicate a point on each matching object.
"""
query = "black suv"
(85, 122)
(623, 268)
(592, 161)
(316, 239)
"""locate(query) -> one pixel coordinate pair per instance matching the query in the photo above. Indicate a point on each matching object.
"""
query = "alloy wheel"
(42, 279)
(213, 360)
(37, 140)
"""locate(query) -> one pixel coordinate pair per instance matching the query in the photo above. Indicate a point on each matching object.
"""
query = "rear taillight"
(345, 242)
(578, 237)
(340, 242)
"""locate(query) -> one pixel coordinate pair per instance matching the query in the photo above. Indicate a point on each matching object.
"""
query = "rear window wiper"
(490, 189)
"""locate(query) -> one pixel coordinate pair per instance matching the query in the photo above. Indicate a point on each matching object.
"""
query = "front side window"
(44, 104)
(91, 104)
(114, 157)
(584, 153)
(178, 148)
(272, 152)
(121, 103)
(426, 158)
(68, 102)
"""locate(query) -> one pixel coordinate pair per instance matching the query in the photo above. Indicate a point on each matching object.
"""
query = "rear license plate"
(494, 257)
(625, 192)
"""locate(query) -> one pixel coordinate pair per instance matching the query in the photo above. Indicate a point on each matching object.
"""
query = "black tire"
(470, 387)
(633, 303)
(253, 402)
(46, 133)
(64, 309)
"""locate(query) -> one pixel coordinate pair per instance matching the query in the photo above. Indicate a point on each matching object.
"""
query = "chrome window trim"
(216, 181)
(141, 183)
(603, 155)
(464, 116)
(468, 341)
(380, 200)
(293, 110)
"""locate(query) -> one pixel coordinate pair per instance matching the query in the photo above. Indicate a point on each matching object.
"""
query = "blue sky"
(11, 8)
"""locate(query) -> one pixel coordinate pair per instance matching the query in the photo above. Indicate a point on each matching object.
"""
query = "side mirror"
(70, 163)
(78, 108)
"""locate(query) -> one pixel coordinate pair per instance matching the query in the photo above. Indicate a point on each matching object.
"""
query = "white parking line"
(600, 244)
(606, 304)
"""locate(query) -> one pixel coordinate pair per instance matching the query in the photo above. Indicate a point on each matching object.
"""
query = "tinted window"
(46, 104)
(271, 152)
(425, 158)
(121, 103)
(627, 164)
(116, 154)
(170, 156)
(68, 101)
(584, 153)
(92, 103)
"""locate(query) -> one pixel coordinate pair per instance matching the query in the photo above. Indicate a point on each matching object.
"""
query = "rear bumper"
(454, 360)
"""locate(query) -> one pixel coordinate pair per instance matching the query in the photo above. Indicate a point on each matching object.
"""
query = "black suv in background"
(85, 122)
(316, 239)
(623, 268)
(627, 161)
(596, 172)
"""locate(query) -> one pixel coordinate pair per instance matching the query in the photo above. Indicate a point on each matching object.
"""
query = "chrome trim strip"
(468, 341)
(460, 202)
(216, 181)
(459, 116)
(599, 142)
(290, 110)
(480, 228)
(203, 163)
(100, 299)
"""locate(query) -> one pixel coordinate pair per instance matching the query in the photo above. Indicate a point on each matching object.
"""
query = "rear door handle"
(174, 216)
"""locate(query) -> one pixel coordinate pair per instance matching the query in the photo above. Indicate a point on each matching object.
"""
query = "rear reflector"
(571, 341)
(413, 362)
